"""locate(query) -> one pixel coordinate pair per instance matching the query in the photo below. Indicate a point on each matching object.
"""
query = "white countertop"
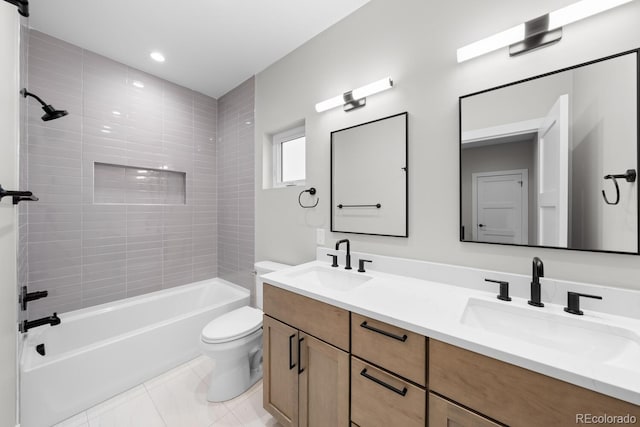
(435, 310)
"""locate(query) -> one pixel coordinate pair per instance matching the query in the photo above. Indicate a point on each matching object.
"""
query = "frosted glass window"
(117, 184)
(289, 152)
(293, 160)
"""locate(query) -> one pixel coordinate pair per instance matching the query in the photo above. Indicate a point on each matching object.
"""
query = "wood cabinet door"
(443, 413)
(324, 384)
(280, 367)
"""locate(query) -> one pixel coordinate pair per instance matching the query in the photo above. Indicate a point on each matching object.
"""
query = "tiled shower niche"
(130, 185)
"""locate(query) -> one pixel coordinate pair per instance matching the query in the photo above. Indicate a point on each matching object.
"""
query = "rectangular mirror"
(369, 178)
(551, 161)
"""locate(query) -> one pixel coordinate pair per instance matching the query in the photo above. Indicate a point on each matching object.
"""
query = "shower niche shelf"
(131, 185)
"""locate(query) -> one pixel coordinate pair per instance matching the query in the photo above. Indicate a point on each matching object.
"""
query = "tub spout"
(51, 320)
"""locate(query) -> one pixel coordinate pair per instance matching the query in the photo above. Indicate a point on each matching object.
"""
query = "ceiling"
(210, 46)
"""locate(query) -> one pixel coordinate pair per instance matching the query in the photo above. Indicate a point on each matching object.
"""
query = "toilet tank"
(264, 267)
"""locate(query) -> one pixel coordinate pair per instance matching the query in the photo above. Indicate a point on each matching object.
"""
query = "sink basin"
(576, 336)
(337, 280)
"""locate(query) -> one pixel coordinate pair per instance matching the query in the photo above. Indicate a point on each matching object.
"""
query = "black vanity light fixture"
(50, 113)
(538, 32)
(23, 6)
(355, 98)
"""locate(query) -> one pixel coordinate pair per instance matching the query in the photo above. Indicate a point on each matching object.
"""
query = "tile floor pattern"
(176, 399)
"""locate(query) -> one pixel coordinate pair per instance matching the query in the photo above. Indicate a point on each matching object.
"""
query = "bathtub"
(98, 352)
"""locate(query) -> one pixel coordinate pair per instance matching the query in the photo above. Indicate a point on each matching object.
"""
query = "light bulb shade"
(371, 88)
(334, 102)
(556, 19)
(580, 10)
(351, 97)
(491, 43)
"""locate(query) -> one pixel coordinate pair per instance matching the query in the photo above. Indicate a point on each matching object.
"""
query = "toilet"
(234, 342)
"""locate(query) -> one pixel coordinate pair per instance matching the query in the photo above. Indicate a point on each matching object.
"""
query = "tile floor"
(176, 399)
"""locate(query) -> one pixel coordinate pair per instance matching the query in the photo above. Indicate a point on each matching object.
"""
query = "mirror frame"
(595, 61)
(406, 184)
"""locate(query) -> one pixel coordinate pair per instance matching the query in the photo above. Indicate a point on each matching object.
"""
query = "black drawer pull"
(402, 392)
(300, 368)
(291, 362)
(402, 338)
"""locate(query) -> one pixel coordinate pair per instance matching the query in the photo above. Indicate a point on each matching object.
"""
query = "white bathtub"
(98, 352)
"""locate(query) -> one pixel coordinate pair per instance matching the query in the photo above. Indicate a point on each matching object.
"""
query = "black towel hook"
(629, 176)
(311, 191)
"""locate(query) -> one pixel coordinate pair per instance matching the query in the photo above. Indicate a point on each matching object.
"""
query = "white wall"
(604, 142)
(415, 42)
(9, 124)
(524, 101)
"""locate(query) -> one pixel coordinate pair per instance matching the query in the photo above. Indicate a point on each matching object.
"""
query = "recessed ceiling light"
(157, 56)
(116, 113)
(138, 83)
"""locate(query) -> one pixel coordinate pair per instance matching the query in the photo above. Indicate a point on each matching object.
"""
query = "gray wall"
(86, 254)
(236, 167)
(416, 44)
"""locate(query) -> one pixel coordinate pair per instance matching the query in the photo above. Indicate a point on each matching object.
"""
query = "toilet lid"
(233, 325)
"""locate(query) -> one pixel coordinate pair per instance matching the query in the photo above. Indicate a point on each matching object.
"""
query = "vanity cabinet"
(324, 366)
(510, 394)
(305, 360)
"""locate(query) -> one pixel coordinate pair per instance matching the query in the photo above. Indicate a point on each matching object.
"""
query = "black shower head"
(50, 113)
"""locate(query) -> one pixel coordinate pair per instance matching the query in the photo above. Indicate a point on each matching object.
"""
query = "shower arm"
(26, 93)
(23, 6)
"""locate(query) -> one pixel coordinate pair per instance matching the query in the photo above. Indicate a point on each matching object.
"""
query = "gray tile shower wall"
(86, 253)
(23, 254)
(236, 171)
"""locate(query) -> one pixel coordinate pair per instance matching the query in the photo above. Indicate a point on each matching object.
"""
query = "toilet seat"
(233, 325)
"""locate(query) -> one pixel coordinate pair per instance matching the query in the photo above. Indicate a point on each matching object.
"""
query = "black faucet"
(25, 297)
(338, 243)
(538, 272)
(51, 320)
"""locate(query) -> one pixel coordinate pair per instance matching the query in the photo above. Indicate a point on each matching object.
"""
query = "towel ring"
(311, 191)
(629, 176)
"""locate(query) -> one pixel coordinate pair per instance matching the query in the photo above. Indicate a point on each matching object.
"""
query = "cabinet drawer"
(510, 394)
(324, 321)
(443, 413)
(381, 399)
(390, 347)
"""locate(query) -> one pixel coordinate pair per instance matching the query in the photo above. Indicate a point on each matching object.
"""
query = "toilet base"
(230, 378)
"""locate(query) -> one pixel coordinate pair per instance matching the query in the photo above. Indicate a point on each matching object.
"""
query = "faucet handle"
(573, 302)
(504, 289)
(361, 265)
(335, 260)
